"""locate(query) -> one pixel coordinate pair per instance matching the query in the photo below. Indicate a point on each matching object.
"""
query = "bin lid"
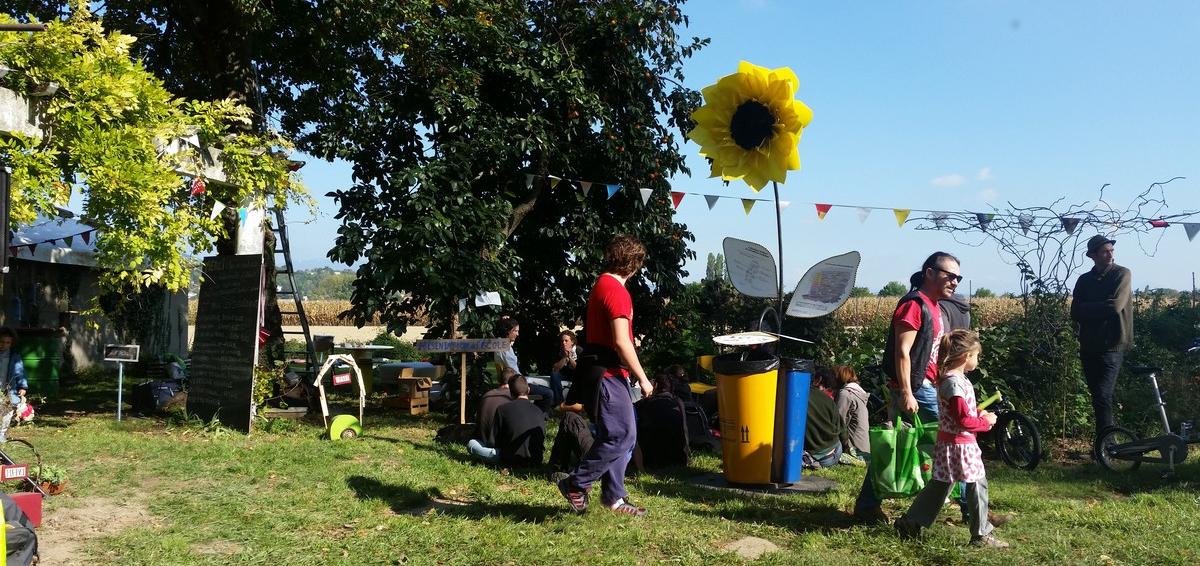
(745, 339)
(745, 362)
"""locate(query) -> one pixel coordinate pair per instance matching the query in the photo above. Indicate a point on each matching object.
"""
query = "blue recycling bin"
(797, 380)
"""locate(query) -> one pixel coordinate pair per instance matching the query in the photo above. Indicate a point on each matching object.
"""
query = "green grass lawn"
(285, 496)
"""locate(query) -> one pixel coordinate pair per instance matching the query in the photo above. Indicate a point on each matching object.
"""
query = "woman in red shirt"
(610, 357)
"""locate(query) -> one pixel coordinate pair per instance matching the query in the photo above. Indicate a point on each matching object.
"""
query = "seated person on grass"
(483, 445)
(662, 438)
(565, 361)
(520, 429)
(824, 432)
(851, 402)
(681, 383)
(510, 329)
(575, 434)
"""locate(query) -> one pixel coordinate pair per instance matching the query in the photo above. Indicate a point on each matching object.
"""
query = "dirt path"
(343, 333)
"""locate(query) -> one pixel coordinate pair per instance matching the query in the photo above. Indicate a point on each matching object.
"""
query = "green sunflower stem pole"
(779, 236)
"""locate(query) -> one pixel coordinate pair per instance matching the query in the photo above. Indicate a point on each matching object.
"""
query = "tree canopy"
(893, 289)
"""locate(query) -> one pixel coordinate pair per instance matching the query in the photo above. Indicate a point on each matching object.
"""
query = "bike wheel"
(1110, 438)
(1018, 441)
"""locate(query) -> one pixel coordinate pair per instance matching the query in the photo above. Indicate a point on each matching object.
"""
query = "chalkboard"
(225, 346)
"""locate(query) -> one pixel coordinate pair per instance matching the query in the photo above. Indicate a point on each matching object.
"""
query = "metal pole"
(120, 386)
(462, 390)
(779, 236)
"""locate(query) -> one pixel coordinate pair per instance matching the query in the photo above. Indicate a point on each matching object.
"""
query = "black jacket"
(956, 313)
(922, 347)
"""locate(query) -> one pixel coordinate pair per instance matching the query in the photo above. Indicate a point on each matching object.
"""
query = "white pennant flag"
(646, 196)
(1026, 222)
(528, 181)
(587, 186)
(784, 204)
(1192, 228)
(218, 206)
(863, 213)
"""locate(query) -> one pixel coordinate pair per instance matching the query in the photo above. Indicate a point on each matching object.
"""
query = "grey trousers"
(928, 504)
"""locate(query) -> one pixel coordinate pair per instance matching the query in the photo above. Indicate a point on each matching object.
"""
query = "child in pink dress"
(956, 456)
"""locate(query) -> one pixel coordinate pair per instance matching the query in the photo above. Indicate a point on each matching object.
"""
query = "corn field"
(865, 311)
(320, 313)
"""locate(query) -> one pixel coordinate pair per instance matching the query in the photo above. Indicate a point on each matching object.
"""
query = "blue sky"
(941, 105)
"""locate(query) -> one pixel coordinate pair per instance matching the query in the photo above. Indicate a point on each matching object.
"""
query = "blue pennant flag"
(612, 190)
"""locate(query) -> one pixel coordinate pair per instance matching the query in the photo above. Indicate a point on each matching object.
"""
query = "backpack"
(149, 397)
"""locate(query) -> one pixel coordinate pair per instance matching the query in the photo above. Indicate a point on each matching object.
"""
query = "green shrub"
(401, 350)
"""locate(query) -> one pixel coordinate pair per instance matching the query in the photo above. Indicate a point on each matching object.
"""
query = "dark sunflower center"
(752, 124)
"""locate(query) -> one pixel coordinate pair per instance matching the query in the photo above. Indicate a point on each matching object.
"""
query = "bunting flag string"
(69, 240)
(940, 218)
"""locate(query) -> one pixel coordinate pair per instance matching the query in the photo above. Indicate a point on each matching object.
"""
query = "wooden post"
(462, 390)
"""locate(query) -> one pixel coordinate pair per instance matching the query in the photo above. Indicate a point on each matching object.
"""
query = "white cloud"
(987, 195)
(949, 180)
(985, 174)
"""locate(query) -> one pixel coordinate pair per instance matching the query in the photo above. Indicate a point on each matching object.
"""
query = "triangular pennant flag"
(87, 236)
(863, 213)
(612, 190)
(198, 186)
(646, 195)
(822, 210)
(901, 215)
(69, 240)
(676, 198)
(554, 181)
(712, 200)
(242, 215)
(747, 204)
(528, 181)
(32, 249)
(1026, 222)
(939, 220)
(587, 186)
(784, 204)
(1192, 228)
(1069, 224)
(13, 251)
(51, 241)
(1159, 223)
(984, 219)
(218, 207)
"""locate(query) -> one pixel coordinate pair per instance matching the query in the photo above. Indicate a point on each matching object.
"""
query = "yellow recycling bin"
(746, 387)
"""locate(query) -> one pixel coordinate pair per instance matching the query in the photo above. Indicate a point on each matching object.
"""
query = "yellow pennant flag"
(747, 204)
(554, 181)
(901, 215)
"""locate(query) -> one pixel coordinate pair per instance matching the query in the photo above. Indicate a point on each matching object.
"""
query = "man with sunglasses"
(910, 356)
(1103, 312)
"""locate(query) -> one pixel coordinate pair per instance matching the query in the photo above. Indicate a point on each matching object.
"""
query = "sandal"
(576, 498)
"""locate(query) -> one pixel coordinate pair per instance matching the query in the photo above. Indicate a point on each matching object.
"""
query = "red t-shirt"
(908, 316)
(609, 301)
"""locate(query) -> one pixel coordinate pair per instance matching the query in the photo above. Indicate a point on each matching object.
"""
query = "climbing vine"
(112, 131)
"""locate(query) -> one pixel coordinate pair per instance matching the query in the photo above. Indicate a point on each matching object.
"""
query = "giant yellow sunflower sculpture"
(750, 125)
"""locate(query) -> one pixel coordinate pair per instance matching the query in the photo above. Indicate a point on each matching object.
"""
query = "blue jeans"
(478, 450)
(556, 387)
(831, 459)
(927, 411)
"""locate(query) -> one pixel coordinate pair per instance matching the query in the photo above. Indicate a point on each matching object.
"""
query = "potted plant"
(51, 478)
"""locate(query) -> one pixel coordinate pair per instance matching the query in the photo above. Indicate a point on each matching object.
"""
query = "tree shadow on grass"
(404, 500)
(460, 455)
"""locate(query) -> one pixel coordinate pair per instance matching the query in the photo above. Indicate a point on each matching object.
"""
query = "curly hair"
(624, 256)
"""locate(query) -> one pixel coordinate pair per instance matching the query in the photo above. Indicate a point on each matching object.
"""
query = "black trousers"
(1100, 370)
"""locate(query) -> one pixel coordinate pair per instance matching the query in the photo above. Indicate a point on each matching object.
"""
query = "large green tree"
(443, 107)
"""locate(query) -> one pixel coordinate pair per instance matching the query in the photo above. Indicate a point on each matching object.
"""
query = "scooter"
(1119, 449)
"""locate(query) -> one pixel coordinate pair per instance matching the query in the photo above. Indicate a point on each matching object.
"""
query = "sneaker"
(907, 529)
(578, 499)
(628, 509)
(873, 516)
(988, 541)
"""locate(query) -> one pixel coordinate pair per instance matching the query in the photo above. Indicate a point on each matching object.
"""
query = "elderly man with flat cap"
(1103, 312)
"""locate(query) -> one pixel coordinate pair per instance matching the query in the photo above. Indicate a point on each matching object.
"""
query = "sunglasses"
(956, 277)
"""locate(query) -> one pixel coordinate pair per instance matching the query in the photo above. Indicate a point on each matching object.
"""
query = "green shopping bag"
(895, 469)
(926, 439)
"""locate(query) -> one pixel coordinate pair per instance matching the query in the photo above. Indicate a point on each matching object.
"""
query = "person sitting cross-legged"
(824, 430)
(520, 428)
(484, 443)
(662, 438)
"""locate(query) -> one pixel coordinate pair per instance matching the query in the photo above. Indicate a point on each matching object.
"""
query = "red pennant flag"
(87, 237)
(198, 186)
(1159, 223)
(676, 198)
(822, 210)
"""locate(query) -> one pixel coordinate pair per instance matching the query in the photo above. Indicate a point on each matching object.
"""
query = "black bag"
(149, 397)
